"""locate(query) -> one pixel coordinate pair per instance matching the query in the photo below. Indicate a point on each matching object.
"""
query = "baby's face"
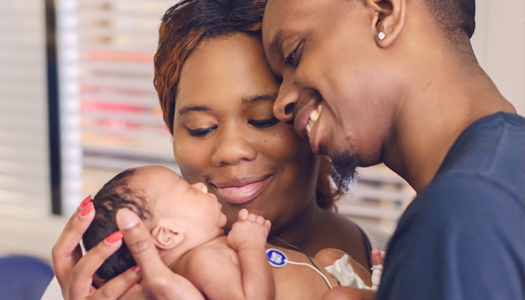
(188, 206)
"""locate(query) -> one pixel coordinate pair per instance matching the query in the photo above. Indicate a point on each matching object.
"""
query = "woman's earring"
(381, 35)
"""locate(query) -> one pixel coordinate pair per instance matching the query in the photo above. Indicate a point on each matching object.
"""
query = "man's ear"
(166, 237)
(389, 20)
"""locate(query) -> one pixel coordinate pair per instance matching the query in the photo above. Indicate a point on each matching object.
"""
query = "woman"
(217, 92)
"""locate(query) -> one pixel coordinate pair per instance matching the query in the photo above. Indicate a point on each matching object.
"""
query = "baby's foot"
(378, 257)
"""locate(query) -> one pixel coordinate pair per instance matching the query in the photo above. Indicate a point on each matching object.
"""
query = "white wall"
(499, 44)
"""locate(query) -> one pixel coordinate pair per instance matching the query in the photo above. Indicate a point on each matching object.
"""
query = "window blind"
(115, 118)
(24, 155)
(379, 197)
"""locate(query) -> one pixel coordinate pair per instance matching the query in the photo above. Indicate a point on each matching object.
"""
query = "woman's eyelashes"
(199, 132)
(263, 123)
(260, 123)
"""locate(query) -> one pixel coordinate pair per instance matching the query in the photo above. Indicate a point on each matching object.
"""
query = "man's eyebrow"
(186, 109)
(275, 43)
(265, 97)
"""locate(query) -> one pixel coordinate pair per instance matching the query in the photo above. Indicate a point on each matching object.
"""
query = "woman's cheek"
(191, 158)
(283, 144)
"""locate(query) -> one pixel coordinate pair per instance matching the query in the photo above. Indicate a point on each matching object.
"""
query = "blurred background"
(77, 106)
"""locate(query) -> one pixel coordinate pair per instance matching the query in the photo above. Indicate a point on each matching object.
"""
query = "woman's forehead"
(228, 70)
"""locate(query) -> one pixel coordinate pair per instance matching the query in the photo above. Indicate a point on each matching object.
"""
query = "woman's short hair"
(184, 26)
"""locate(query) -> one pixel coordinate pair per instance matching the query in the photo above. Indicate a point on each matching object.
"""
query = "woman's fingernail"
(137, 269)
(86, 210)
(85, 202)
(126, 219)
(115, 236)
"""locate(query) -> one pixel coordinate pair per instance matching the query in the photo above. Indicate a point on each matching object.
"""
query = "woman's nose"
(286, 101)
(232, 150)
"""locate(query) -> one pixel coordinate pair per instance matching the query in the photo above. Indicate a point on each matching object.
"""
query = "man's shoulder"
(460, 189)
(462, 230)
(463, 237)
(492, 148)
(457, 207)
(452, 200)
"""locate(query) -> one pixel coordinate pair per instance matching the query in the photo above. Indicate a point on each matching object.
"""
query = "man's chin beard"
(344, 167)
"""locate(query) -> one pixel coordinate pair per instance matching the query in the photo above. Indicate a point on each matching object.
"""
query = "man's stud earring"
(381, 35)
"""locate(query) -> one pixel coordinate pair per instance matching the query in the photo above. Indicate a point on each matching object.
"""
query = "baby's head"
(179, 216)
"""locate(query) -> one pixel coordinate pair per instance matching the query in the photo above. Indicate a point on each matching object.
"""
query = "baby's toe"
(260, 220)
(252, 217)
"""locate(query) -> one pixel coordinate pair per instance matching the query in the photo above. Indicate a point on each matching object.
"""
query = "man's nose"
(285, 103)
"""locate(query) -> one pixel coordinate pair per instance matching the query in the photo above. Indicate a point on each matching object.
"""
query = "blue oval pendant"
(276, 258)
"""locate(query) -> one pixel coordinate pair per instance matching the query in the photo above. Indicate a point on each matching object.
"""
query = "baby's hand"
(249, 230)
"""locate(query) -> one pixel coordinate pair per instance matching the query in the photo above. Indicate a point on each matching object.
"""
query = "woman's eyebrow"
(186, 109)
(265, 97)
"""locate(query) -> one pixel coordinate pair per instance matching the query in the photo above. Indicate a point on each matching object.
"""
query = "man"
(396, 81)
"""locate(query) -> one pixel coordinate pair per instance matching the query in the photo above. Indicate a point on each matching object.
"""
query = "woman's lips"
(242, 191)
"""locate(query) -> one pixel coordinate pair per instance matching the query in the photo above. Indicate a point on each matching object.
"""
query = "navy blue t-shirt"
(463, 236)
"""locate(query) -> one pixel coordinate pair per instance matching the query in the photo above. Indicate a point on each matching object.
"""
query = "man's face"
(334, 85)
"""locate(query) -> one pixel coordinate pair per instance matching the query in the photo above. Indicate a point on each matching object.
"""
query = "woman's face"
(226, 136)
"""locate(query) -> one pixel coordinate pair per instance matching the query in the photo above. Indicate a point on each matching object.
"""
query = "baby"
(186, 224)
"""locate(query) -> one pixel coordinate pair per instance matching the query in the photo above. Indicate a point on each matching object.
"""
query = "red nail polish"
(85, 202)
(137, 269)
(86, 210)
(114, 237)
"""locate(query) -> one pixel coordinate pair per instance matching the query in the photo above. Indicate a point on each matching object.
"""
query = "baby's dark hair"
(114, 195)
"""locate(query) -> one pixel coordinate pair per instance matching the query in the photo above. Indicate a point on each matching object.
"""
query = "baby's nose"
(201, 186)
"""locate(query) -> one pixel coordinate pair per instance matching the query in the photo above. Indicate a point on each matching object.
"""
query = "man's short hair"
(454, 16)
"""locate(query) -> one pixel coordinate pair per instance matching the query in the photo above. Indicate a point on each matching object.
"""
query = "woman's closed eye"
(263, 123)
(199, 132)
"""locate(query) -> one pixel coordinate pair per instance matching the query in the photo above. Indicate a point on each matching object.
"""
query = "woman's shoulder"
(372, 234)
(338, 232)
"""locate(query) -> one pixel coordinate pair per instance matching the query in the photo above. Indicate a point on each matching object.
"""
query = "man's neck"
(440, 106)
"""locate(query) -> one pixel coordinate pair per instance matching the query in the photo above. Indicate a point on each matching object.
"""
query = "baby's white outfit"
(344, 272)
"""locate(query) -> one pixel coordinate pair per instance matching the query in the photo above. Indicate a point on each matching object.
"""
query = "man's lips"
(302, 117)
(240, 191)
(307, 127)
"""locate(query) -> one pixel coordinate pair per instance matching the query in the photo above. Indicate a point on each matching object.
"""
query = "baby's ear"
(166, 237)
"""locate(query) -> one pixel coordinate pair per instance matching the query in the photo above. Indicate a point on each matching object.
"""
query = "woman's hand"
(75, 272)
(158, 281)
